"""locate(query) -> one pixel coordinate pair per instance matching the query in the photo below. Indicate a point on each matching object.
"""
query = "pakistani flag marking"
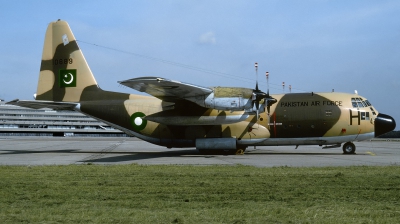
(67, 77)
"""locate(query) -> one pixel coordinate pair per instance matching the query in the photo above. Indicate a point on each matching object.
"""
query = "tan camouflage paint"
(48, 72)
(107, 105)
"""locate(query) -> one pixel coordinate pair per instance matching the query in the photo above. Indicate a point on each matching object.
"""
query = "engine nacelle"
(228, 98)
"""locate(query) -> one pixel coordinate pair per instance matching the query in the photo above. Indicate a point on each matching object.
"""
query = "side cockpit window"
(372, 110)
(364, 115)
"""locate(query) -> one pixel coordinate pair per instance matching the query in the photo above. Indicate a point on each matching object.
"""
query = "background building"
(20, 121)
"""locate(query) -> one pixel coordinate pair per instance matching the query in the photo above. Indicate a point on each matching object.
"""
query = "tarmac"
(31, 151)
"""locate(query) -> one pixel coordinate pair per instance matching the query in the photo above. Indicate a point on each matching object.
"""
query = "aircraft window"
(367, 102)
(364, 115)
(364, 104)
(353, 102)
(373, 112)
(359, 102)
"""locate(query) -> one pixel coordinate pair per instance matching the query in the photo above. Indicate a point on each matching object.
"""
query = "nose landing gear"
(349, 148)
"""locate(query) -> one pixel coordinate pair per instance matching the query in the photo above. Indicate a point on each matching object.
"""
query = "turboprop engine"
(226, 98)
(235, 99)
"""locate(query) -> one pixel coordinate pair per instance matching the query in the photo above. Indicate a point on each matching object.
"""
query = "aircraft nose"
(383, 124)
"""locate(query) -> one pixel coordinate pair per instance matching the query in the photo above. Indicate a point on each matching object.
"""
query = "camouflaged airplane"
(222, 119)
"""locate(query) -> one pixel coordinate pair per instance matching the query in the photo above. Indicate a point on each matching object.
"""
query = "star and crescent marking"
(71, 78)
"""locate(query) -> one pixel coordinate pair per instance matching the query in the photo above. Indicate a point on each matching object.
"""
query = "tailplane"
(64, 72)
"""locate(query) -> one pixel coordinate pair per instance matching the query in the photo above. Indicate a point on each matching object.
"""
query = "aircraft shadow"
(118, 156)
(137, 156)
(10, 152)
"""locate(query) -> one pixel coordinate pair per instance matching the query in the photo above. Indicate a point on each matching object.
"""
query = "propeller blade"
(259, 95)
(268, 103)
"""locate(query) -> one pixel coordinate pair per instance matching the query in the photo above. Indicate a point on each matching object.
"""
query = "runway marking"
(371, 153)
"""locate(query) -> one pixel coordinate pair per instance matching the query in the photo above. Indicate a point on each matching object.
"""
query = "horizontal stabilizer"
(38, 104)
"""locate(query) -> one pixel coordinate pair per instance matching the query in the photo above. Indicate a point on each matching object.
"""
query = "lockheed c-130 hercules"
(211, 119)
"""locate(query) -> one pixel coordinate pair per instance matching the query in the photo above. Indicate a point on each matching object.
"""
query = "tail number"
(64, 61)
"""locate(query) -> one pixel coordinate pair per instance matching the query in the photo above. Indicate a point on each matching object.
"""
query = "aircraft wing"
(166, 89)
(37, 104)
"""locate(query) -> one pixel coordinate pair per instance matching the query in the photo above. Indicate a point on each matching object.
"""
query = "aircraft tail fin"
(64, 72)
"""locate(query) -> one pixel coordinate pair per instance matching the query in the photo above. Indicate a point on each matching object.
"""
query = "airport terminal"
(20, 121)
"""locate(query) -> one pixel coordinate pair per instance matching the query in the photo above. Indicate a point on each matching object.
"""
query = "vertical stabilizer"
(64, 72)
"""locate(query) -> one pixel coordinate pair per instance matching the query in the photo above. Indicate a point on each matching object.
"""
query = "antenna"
(267, 75)
(290, 88)
(283, 86)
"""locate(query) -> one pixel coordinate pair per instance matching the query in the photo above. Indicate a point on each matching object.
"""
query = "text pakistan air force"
(312, 103)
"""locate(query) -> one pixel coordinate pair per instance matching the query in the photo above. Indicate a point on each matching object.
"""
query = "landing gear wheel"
(240, 150)
(349, 148)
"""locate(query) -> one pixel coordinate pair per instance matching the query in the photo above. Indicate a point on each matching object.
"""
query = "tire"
(239, 151)
(349, 148)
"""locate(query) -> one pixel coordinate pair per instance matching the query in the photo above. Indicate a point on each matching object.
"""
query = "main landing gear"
(349, 148)
(238, 151)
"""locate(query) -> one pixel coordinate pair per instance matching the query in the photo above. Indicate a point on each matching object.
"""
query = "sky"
(312, 45)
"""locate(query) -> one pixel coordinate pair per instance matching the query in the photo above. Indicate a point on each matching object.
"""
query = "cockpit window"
(359, 102)
(353, 102)
(363, 102)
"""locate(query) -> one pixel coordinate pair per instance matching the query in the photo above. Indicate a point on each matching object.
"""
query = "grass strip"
(198, 194)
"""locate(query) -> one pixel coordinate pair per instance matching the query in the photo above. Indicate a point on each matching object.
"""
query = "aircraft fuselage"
(296, 119)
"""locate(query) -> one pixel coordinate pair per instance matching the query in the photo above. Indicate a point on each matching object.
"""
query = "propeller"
(259, 95)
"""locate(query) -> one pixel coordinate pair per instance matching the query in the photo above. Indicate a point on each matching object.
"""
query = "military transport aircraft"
(178, 114)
